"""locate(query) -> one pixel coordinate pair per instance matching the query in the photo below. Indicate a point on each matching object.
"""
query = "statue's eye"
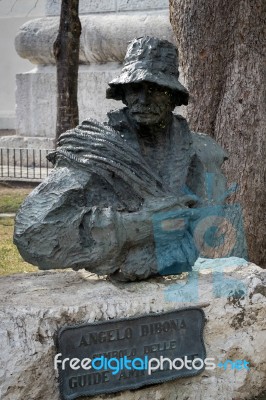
(133, 89)
(155, 89)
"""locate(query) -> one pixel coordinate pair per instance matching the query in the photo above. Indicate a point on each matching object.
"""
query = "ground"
(10, 260)
(11, 197)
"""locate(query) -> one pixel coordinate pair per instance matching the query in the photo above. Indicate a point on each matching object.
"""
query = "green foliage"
(10, 260)
(11, 199)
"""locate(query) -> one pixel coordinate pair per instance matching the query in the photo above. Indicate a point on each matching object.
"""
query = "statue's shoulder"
(207, 149)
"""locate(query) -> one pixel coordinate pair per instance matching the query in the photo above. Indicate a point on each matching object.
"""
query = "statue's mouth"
(146, 113)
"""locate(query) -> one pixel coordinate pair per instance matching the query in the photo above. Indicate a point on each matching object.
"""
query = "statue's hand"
(138, 226)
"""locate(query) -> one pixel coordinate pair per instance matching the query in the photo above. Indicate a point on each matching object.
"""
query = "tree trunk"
(222, 46)
(66, 51)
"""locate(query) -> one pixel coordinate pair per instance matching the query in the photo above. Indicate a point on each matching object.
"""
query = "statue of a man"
(96, 208)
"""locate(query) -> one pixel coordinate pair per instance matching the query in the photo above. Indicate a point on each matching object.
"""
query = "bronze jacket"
(96, 209)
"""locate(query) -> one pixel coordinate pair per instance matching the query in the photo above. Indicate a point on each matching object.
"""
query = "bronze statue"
(96, 208)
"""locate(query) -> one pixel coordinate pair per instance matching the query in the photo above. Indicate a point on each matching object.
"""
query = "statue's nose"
(143, 96)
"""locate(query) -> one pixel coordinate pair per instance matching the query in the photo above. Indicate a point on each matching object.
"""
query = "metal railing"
(24, 163)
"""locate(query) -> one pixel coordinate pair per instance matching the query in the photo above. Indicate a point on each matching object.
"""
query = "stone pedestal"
(39, 99)
(35, 306)
(107, 27)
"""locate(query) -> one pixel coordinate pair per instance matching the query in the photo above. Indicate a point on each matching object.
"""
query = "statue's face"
(148, 103)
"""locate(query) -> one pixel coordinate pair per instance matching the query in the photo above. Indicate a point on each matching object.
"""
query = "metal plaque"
(112, 356)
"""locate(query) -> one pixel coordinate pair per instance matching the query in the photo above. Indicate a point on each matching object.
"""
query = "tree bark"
(222, 46)
(66, 51)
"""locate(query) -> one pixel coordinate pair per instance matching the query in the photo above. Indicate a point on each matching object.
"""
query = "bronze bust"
(96, 209)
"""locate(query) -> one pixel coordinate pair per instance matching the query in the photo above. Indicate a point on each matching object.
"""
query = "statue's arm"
(55, 229)
(138, 227)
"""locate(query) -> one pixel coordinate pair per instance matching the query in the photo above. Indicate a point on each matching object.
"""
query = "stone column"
(107, 27)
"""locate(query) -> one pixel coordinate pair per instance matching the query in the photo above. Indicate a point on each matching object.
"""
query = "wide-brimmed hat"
(152, 60)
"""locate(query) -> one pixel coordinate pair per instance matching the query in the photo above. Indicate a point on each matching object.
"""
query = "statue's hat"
(152, 60)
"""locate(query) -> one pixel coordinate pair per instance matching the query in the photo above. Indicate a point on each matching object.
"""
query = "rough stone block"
(36, 103)
(95, 6)
(104, 38)
(35, 306)
(36, 98)
(131, 5)
(92, 6)
(85, 6)
(21, 9)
